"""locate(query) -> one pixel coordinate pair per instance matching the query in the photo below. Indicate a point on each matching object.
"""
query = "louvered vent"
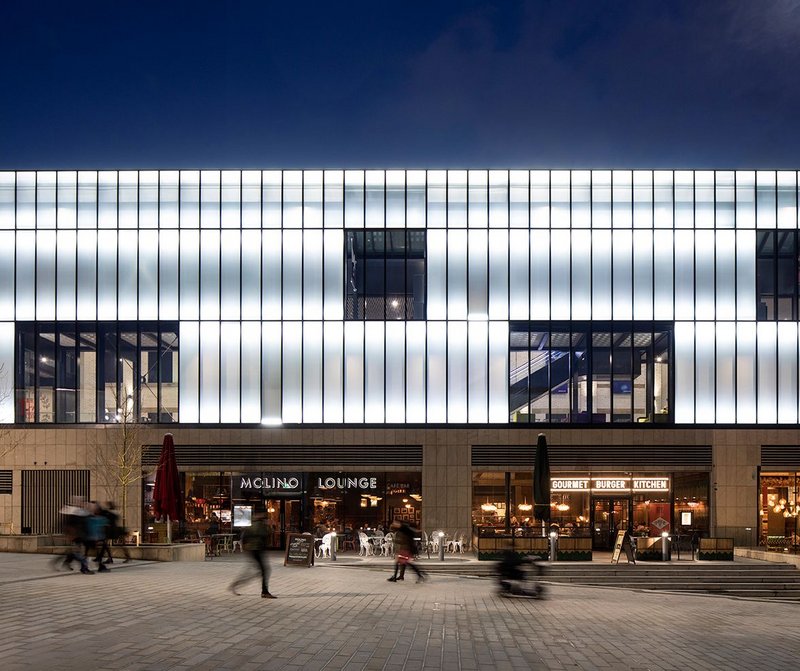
(592, 457)
(5, 482)
(780, 456)
(289, 455)
(43, 495)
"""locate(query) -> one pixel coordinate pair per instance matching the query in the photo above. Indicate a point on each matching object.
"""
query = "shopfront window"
(690, 493)
(502, 500)
(779, 496)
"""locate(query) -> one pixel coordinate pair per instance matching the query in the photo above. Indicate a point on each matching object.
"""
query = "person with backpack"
(114, 533)
(255, 539)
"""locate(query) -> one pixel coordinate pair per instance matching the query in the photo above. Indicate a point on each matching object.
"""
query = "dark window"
(777, 274)
(385, 274)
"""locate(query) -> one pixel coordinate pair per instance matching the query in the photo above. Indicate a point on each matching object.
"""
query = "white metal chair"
(435, 538)
(324, 548)
(387, 547)
(456, 543)
(366, 549)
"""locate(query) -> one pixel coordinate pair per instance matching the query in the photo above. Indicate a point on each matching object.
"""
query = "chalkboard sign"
(623, 542)
(299, 550)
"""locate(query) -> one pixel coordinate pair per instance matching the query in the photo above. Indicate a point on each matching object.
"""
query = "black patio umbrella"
(541, 481)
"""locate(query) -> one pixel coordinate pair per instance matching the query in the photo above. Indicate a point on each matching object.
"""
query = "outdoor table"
(222, 543)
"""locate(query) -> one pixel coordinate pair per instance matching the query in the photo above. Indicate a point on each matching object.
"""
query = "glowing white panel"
(128, 198)
(148, 274)
(190, 274)
(209, 274)
(622, 243)
(745, 275)
(684, 199)
(231, 199)
(375, 195)
(787, 372)
(457, 198)
(189, 199)
(726, 274)
(643, 274)
(395, 373)
(601, 199)
(478, 383)
(726, 373)
(333, 282)
(642, 199)
(498, 274)
(106, 276)
(498, 372)
(457, 372)
(251, 200)
(581, 196)
(312, 274)
(745, 199)
(560, 274)
(437, 372)
(746, 373)
(540, 274)
(354, 199)
(7, 245)
(437, 199)
(684, 274)
(662, 199)
(518, 270)
(456, 275)
(26, 276)
(7, 200)
(622, 196)
(767, 339)
(230, 368)
(87, 199)
(292, 372)
(662, 274)
(334, 198)
(271, 201)
(415, 372)
(67, 199)
(498, 198)
(6, 366)
(374, 347)
(437, 274)
(46, 275)
(395, 199)
(271, 292)
(148, 199)
(333, 375)
(66, 273)
(251, 274)
(725, 193)
(478, 198)
(292, 199)
(271, 373)
(601, 274)
(312, 199)
(559, 199)
(415, 199)
(168, 274)
(209, 372)
(684, 372)
(127, 271)
(765, 203)
(581, 274)
(292, 274)
(230, 290)
(312, 372)
(189, 364)
(168, 199)
(478, 274)
(251, 372)
(354, 372)
(26, 200)
(519, 198)
(704, 373)
(704, 274)
(45, 199)
(787, 199)
(210, 199)
(540, 199)
(704, 199)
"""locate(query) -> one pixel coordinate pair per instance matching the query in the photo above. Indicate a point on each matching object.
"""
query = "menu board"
(623, 542)
(299, 550)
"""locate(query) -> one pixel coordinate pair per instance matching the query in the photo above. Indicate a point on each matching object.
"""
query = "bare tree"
(10, 438)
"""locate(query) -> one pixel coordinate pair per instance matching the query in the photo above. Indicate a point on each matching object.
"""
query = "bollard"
(553, 550)
(441, 546)
(664, 546)
(334, 543)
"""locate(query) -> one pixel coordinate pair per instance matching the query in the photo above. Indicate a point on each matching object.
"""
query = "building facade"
(342, 348)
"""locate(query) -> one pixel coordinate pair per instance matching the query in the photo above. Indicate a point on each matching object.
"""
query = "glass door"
(609, 515)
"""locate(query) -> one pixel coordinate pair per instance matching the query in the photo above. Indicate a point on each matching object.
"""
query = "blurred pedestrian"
(404, 552)
(114, 533)
(255, 542)
(97, 525)
(75, 530)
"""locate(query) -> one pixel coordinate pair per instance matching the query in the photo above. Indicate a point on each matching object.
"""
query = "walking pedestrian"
(255, 542)
(114, 533)
(404, 552)
(75, 529)
(96, 534)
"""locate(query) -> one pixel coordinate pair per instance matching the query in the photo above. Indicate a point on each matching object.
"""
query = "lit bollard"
(441, 546)
(334, 543)
(553, 541)
(664, 546)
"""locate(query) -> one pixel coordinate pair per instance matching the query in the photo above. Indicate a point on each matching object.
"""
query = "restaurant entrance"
(283, 517)
(609, 515)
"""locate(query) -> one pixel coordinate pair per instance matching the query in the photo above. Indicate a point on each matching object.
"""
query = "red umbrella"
(167, 491)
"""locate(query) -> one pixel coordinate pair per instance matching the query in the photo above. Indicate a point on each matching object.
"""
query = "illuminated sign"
(609, 484)
(569, 485)
(651, 484)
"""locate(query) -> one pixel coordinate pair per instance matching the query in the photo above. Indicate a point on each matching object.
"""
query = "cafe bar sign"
(609, 484)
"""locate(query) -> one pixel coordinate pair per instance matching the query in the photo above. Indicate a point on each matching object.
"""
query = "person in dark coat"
(404, 546)
(114, 533)
(75, 531)
(255, 541)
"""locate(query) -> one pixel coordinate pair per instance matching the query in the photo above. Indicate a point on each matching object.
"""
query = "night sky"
(175, 83)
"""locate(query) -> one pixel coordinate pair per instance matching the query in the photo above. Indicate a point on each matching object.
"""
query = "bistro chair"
(324, 548)
(435, 538)
(387, 547)
(366, 548)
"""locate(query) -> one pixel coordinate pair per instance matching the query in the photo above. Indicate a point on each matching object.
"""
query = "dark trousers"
(261, 561)
(402, 568)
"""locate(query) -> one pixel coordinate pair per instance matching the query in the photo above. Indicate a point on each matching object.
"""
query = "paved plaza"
(182, 616)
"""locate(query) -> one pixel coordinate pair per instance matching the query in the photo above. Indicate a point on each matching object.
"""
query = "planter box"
(716, 549)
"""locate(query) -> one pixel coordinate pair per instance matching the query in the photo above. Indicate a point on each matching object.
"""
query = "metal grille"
(5, 482)
(594, 456)
(780, 456)
(289, 455)
(43, 495)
